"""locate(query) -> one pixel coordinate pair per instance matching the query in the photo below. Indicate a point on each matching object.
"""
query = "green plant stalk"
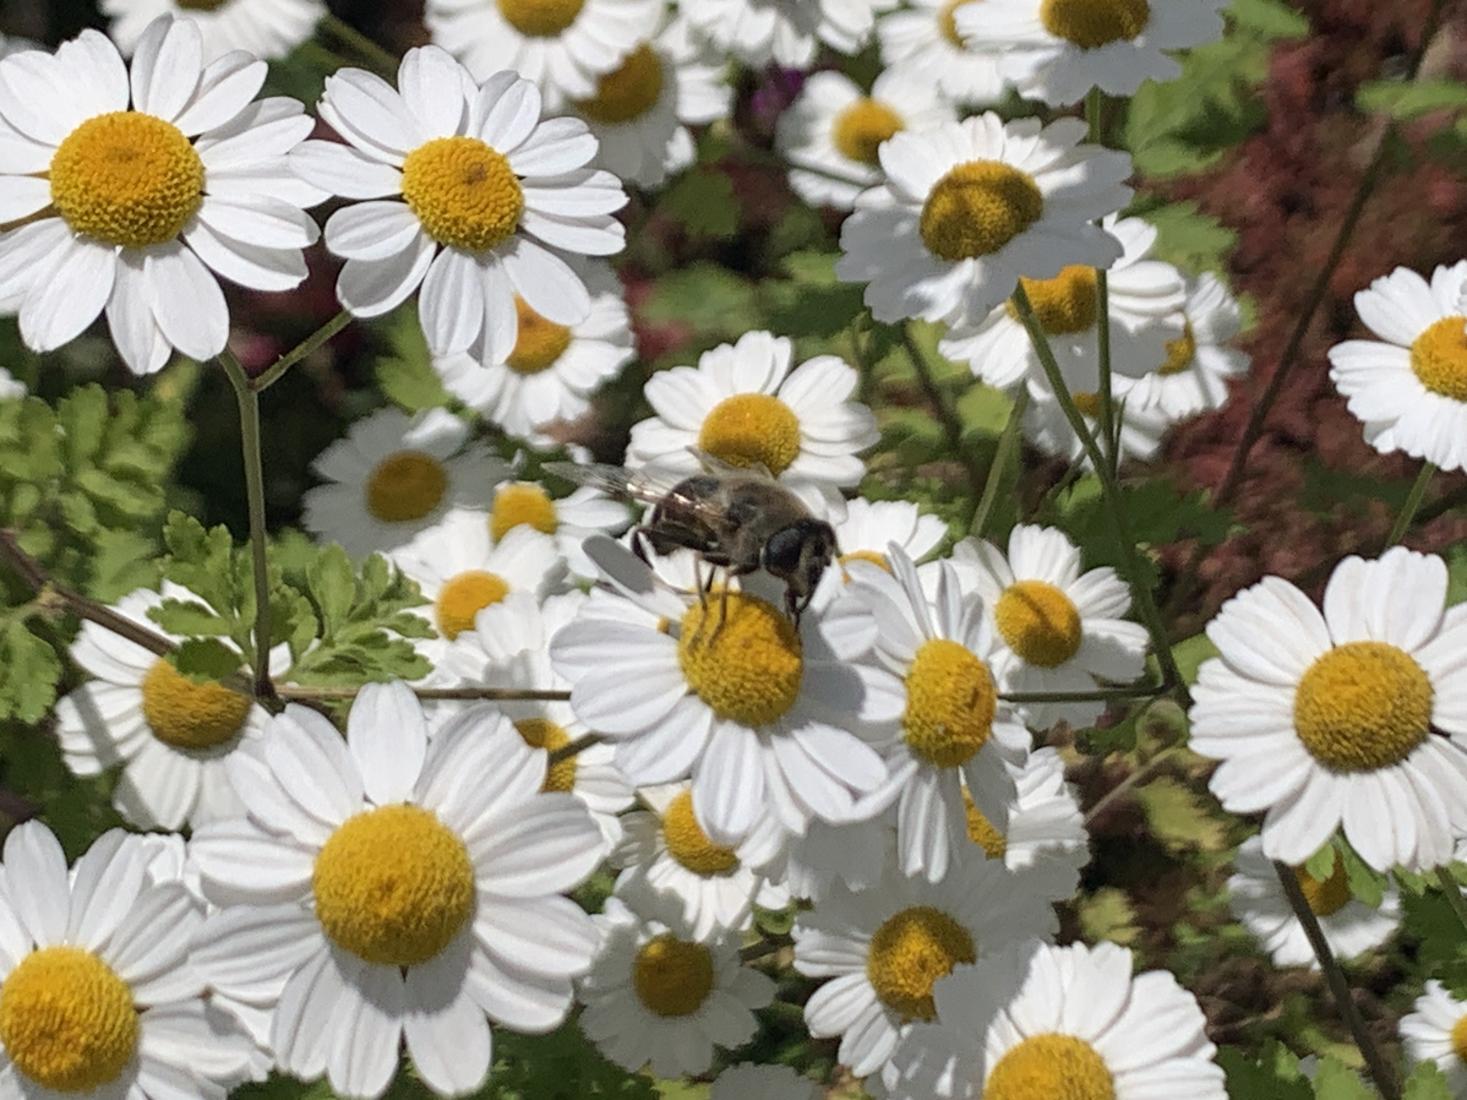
(1094, 115)
(1453, 891)
(365, 48)
(273, 373)
(1003, 455)
(249, 432)
(1412, 505)
(1110, 490)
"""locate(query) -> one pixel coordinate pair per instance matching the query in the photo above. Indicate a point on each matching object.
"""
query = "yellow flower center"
(910, 953)
(1051, 1067)
(977, 208)
(406, 486)
(463, 597)
(539, 343)
(689, 844)
(1066, 304)
(629, 91)
(752, 427)
(393, 885)
(981, 831)
(128, 179)
(190, 715)
(672, 977)
(950, 703)
(1439, 357)
(1459, 1037)
(522, 504)
(747, 666)
(464, 193)
(947, 22)
(540, 18)
(1088, 402)
(541, 733)
(862, 127)
(67, 1020)
(1328, 896)
(1091, 24)
(1180, 352)
(1363, 706)
(1039, 622)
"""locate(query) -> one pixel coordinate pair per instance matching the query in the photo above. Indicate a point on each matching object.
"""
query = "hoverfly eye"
(783, 552)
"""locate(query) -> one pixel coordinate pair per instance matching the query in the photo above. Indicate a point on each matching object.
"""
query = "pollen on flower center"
(977, 208)
(752, 427)
(860, 129)
(522, 504)
(188, 714)
(406, 486)
(981, 831)
(463, 596)
(910, 953)
(538, 344)
(1039, 622)
(1363, 706)
(393, 885)
(1325, 897)
(689, 844)
(1066, 304)
(628, 91)
(672, 977)
(1051, 1067)
(1180, 352)
(541, 733)
(1091, 24)
(1459, 1037)
(67, 1020)
(747, 665)
(951, 701)
(1439, 357)
(540, 18)
(464, 193)
(947, 22)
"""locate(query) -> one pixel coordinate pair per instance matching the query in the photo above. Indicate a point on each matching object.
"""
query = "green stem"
(1094, 115)
(1003, 454)
(1110, 489)
(1453, 891)
(1099, 695)
(1413, 503)
(375, 56)
(273, 373)
(952, 427)
(249, 433)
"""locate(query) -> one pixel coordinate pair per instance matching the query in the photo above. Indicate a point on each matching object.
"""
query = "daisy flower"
(1059, 629)
(1057, 50)
(744, 405)
(766, 1082)
(656, 996)
(551, 371)
(831, 133)
(569, 520)
(1437, 1032)
(868, 528)
(853, 853)
(1145, 297)
(171, 734)
(394, 477)
(1409, 388)
(886, 948)
(96, 995)
(732, 693)
(953, 729)
(1350, 926)
(760, 31)
(382, 889)
(665, 850)
(471, 195)
(509, 647)
(922, 38)
(267, 29)
(969, 207)
(1192, 378)
(1044, 1021)
(561, 45)
(134, 210)
(1356, 717)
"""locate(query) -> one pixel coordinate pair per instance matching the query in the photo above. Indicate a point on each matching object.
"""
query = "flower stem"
(466, 694)
(1413, 503)
(1453, 891)
(1099, 695)
(249, 432)
(952, 427)
(1094, 114)
(1339, 988)
(373, 54)
(575, 748)
(273, 373)
(1003, 455)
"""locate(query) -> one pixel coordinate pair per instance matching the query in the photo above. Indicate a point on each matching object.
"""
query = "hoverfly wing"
(719, 468)
(648, 486)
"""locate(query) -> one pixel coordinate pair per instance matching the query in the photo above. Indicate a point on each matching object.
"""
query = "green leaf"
(29, 671)
(188, 617)
(1336, 1081)
(1275, 1075)
(1108, 914)
(1427, 1082)
(1365, 883)
(1404, 100)
(206, 660)
(1189, 238)
(333, 585)
(704, 203)
(1179, 817)
(1269, 18)
(1321, 865)
(713, 302)
(1189, 654)
(407, 376)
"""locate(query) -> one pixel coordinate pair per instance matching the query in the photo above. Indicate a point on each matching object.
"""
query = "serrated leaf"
(333, 586)
(1336, 1081)
(407, 377)
(1427, 1082)
(188, 617)
(1189, 238)
(1269, 18)
(1180, 818)
(1273, 1076)
(1108, 914)
(29, 671)
(1321, 865)
(1365, 883)
(712, 301)
(1404, 100)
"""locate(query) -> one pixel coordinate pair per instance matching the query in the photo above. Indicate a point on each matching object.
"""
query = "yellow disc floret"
(1039, 622)
(628, 91)
(1067, 304)
(947, 22)
(1325, 897)
(540, 18)
(539, 343)
(1439, 357)
(910, 953)
(1088, 402)
(188, 714)
(1459, 1037)
(1180, 352)
(861, 128)
(752, 427)
(406, 486)
(1091, 24)
(672, 977)
(950, 703)
(128, 179)
(981, 831)
(67, 1020)
(1051, 1067)
(689, 844)
(977, 208)
(1363, 706)
(541, 733)
(464, 193)
(747, 664)
(522, 504)
(393, 885)
(463, 596)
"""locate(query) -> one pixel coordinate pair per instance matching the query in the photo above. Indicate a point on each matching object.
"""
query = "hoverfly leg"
(639, 545)
(723, 602)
